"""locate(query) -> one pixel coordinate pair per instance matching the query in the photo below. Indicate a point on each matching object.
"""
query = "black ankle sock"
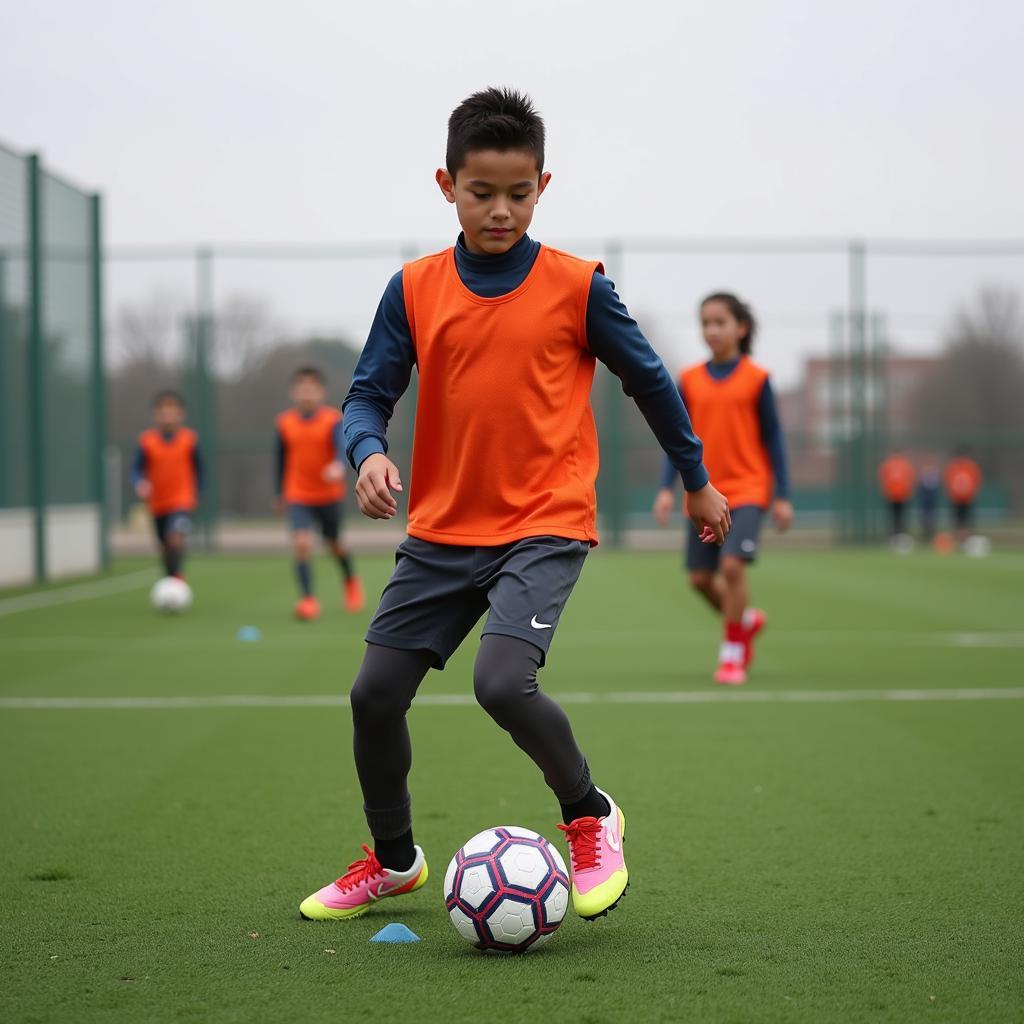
(398, 853)
(172, 561)
(593, 805)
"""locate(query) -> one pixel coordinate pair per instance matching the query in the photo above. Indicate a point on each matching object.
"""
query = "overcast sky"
(324, 121)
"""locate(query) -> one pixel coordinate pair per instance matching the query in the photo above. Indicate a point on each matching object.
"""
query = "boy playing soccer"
(167, 474)
(311, 480)
(504, 333)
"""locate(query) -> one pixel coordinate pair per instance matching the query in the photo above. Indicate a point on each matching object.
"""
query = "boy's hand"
(782, 513)
(378, 477)
(664, 501)
(278, 505)
(334, 472)
(709, 512)
(143, 489)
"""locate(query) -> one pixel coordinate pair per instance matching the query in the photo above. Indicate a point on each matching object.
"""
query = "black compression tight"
(505, 684)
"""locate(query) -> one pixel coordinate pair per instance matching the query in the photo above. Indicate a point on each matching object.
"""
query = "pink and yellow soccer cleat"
(599, 875)
(361, 886)
(754, 620)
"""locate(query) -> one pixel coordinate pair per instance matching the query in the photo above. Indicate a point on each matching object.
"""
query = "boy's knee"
(701, 580)
(732, 569)
(303, 544)
(374, 697)
(500, 690)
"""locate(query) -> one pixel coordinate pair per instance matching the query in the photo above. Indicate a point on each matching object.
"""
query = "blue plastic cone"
(395, 932)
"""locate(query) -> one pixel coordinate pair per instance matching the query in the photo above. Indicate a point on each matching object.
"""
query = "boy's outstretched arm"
(615, 338)
(381, 378)
(665, 498)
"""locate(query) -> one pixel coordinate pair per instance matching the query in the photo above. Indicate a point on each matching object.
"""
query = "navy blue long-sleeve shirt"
(613, 336)
(138, 470)
(771, 431)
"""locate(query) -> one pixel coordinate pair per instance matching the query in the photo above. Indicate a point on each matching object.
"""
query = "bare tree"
(149, 331)
(973, 395)
(244, 330)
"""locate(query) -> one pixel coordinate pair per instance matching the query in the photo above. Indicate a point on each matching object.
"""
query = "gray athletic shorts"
(741, 541)
(438, 592)
(327, 517)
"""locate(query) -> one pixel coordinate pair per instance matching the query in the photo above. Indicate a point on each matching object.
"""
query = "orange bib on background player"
(725, 417)
(897, 478)
(505, 444)
(170, 470)
(308, 450)
(963, 480)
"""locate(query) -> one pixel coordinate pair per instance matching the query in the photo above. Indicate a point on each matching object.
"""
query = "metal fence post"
(879, 356)
(206, 411)
(859, 477)
(838, 403)
(613, 441)
(36, 365)
(99, 394)
(3, 375)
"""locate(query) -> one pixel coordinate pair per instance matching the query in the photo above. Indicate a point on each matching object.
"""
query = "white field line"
(992, 640)
(75, 592)
(466, 699)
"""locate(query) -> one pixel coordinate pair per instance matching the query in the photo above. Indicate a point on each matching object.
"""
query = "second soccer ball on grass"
(171, 595)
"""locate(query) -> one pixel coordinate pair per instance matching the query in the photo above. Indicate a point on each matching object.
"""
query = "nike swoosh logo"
(539, 625)
(382, 890)
(613, 839)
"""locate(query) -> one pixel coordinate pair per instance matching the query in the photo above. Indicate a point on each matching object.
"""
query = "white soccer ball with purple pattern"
(507, 890)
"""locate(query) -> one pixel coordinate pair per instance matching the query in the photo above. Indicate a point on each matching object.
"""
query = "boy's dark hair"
(501, 119)
(312, 373)
(169, 395)
(743, 314)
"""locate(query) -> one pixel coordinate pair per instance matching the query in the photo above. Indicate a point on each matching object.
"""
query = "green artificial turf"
(790, 861)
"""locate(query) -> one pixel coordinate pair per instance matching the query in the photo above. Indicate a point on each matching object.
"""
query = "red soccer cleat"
(730, 674)
(307, 609)
(754, 620)
(354, 599)
(730, 671)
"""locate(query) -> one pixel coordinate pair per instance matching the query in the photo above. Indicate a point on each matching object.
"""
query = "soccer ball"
(507, 890)
(977, 546)
(171, 595)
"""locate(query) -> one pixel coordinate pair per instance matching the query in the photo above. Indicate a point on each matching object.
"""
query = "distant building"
(817, 413)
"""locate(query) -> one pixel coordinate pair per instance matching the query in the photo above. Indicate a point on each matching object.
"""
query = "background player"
(897, 479)
(504, 333)
(167, 474)
(929, 485)
(962, 479)
(310, 481)
(733, 410)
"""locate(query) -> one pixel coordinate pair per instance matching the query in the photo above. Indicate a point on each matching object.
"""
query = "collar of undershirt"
(519, 257)
(722, 370)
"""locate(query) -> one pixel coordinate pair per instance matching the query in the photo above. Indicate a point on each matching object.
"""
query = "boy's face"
(307, 394)
(168, 415)
(494, 193)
